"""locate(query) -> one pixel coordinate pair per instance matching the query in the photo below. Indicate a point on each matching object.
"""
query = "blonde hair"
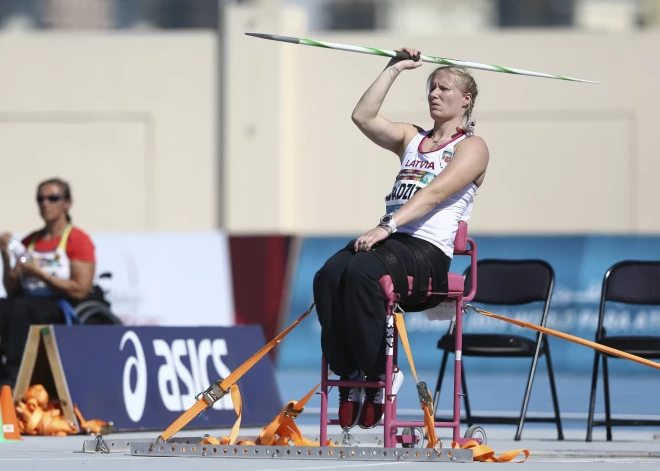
(464, 80)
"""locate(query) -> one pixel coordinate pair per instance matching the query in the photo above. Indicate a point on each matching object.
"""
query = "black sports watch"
(387, 223)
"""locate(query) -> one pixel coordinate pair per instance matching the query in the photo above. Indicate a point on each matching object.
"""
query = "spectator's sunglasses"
(51, 198)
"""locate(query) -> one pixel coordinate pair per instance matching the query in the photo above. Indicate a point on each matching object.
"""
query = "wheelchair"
(95, 309)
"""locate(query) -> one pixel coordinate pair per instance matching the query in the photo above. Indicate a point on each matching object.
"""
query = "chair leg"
(606, 383)
(592, 399)
(528, 389)
(553, 390)
(323, 435)
(438, 384)
(468, 414)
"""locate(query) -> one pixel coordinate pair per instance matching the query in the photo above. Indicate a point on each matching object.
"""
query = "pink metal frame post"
(390, 424)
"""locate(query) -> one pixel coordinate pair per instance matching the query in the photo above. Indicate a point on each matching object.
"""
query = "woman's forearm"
(417, 207)
(9, 278)
(70, 288)
(372, 100)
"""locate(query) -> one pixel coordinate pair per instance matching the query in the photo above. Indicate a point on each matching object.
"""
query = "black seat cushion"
(642, 346)
(491, 345)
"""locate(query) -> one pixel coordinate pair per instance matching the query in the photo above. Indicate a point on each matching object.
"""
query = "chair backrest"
(460, 239)
(464, 245)
(633, 282)
(511, 282)
(630, 282)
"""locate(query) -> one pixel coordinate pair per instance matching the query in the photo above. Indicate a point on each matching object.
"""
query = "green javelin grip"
(403, 55)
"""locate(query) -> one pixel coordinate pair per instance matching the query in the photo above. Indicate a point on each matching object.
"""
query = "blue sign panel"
(144, 378)
(579, 262)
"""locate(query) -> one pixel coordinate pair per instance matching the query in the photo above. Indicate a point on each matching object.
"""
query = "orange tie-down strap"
(486, 454)
(425, 396)
(282, 431)
(229, 382)
(569, 337)
(480, 452)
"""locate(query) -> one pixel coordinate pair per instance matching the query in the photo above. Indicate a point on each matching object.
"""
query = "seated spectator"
(56, 274)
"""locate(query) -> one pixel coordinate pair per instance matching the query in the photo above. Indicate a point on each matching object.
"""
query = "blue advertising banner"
(579, 262)
(143, 378)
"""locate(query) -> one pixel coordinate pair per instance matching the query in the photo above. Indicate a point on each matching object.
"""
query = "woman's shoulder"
(471, 140)
(80, 247)
(414, 133)
(412, 130)
(419, 131)
(79, 234)
(474, 146)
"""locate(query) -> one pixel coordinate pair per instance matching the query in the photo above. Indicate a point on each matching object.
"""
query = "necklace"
(436, 142)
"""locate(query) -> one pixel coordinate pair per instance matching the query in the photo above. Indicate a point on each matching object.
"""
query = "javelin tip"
(274, 37)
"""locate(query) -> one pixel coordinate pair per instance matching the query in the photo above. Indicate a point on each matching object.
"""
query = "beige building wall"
(566, 157)
(130, 120)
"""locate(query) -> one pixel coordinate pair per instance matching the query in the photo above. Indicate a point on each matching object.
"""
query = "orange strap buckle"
(292, 413)
(213, 393)
(424, 394)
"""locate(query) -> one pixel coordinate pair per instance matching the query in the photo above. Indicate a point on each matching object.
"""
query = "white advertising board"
(166, 278)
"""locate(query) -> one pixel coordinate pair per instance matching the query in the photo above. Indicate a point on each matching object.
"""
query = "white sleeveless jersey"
(418, 169)
(56, 263)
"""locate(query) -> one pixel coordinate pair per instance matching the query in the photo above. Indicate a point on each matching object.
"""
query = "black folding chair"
(628, 282)
(507, 282)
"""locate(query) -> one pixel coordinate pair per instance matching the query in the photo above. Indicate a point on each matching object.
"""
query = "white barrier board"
(162, 278)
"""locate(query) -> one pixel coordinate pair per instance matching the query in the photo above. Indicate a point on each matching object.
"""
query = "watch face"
(386, 219)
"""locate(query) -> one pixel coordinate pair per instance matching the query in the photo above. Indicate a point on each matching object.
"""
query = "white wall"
(565, 157)
(129, 119)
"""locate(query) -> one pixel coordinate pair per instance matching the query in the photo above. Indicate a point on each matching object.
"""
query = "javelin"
(403, 55)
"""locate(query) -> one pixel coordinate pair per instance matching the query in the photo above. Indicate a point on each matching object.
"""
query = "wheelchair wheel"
(476, 432)
(96, 313)
(415, 432)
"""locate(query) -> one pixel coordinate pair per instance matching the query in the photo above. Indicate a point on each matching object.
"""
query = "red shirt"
(79, 246)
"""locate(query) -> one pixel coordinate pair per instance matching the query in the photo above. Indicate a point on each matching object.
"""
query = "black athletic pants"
(17, 314)
(352, 308)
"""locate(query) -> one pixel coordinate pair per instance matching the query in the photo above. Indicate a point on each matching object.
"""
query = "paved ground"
(638, 447)
(631, 446)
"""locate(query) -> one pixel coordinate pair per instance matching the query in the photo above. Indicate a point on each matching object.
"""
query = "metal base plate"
(300, 452)
(101, 444)
(350, 440)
